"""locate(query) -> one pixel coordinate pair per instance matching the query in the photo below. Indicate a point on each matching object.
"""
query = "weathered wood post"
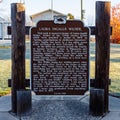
(102, 59)
(23, 102)
(18, 51)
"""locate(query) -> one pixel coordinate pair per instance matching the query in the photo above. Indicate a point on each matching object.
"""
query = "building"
(4, 23)
(30, 21)
(45, 15)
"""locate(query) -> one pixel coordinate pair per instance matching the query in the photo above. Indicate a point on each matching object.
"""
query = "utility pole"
(81, 9)
(22, 1)
(52, 9)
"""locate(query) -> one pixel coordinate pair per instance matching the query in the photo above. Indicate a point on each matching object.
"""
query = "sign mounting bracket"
(60, 19)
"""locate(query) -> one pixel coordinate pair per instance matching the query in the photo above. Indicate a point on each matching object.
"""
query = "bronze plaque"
(60, 58)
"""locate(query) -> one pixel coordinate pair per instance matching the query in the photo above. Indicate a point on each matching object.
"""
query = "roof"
(4, 18)
(49, 10)
(1, 19)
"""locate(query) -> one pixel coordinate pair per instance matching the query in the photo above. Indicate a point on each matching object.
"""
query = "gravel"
(59, 110)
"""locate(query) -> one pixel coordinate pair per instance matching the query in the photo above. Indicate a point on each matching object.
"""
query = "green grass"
(5, 70)
(5, 46)
(5, 74)
(4, 91)
(115, 77)
(5, 67)
(114, 73)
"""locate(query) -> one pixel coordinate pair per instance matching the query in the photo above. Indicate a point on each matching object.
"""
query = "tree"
(115, 23)
(70, 16)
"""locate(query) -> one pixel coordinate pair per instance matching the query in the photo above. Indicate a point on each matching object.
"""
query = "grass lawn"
(5, 74)
(5, 67)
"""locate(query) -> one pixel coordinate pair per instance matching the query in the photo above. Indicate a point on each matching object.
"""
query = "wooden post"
(102, 52)
(18, 51)
(23, 102)
(96, 101)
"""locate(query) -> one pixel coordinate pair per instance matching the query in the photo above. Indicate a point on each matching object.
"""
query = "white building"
(45, 15)
(4, 23)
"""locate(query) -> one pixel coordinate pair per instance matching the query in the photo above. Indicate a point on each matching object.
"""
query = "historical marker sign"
(60, 58)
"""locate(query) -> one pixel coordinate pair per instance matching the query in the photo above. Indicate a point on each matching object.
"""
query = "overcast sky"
(63, 6)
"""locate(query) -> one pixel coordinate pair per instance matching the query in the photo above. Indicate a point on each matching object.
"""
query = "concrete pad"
(114, 104)
(6, 116)
(112, 116)
(5, 103)
(85, 99)
(57, 97)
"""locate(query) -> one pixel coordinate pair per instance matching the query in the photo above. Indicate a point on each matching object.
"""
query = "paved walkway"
(5, 106)
(60, 108)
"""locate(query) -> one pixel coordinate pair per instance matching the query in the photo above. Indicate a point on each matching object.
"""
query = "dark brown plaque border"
(47, 24)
